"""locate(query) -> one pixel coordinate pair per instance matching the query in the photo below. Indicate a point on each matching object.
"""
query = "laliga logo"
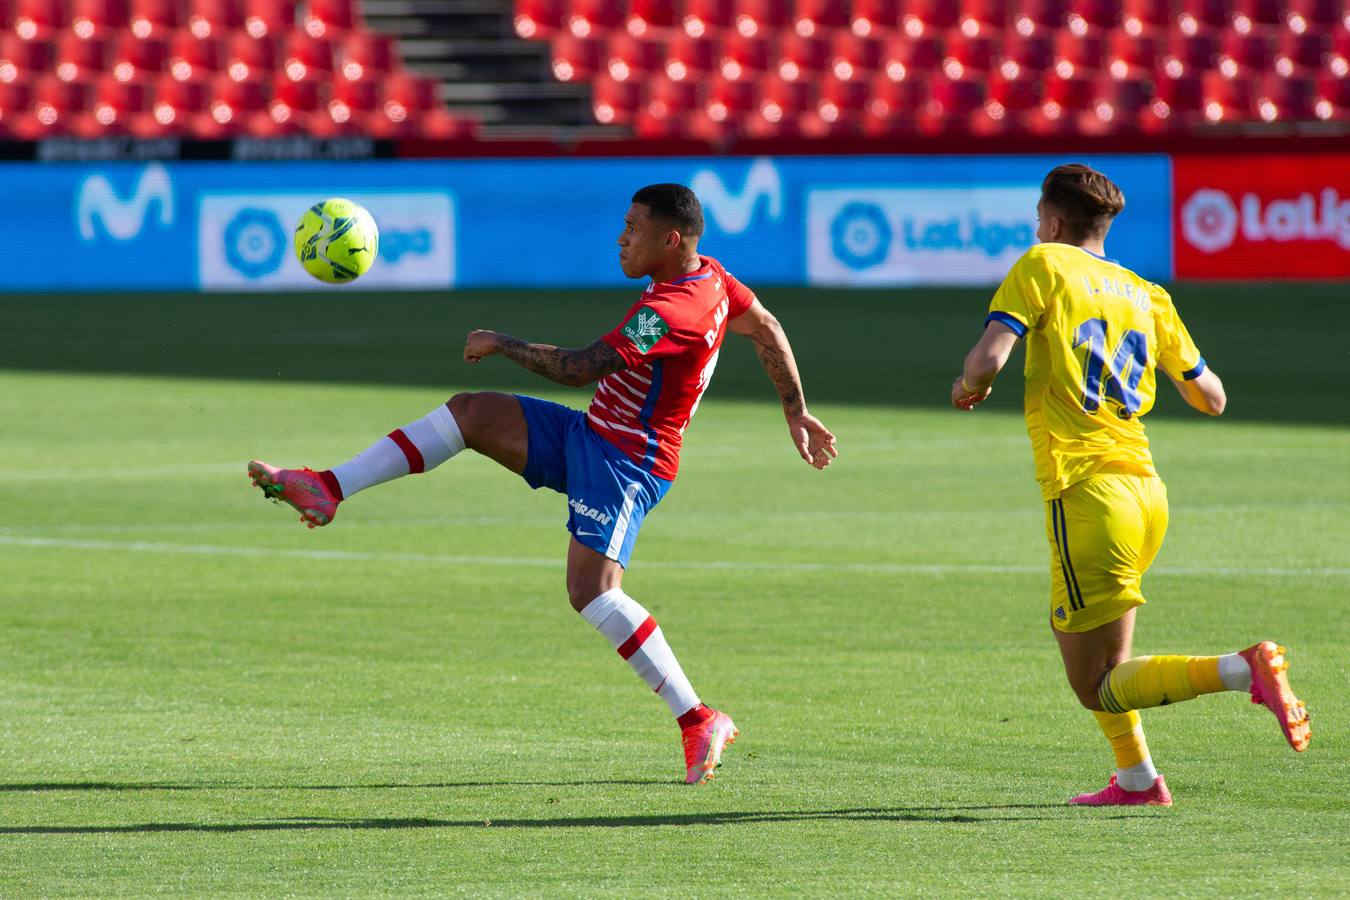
(733, 213)
(124, 219)
(1210, 222)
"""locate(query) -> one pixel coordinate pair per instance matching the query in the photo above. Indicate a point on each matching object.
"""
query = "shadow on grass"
(128, 786)
(868, 347)
(933, 815)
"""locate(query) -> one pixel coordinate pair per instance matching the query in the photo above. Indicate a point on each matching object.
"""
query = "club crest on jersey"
(645, 328)
(589, 512)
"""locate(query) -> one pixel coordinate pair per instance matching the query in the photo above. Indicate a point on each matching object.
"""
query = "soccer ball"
(336, 241)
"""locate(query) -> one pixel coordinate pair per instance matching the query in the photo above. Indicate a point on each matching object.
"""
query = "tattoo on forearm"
(573, 368)
(776, 356)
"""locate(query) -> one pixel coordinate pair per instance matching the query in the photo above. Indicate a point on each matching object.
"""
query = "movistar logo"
(733, 212)
(122, 219)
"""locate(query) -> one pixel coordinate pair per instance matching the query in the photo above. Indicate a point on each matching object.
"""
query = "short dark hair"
(1086, 198)
(673, 203)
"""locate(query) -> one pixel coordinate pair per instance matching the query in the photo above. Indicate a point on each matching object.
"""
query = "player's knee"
(581, 592)
(1087, 695)
(467, 408)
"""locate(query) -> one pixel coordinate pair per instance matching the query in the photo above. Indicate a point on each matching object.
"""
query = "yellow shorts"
(1104, 532)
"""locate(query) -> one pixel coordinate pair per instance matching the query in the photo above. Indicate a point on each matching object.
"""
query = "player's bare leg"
(594, 585)
(489, 423)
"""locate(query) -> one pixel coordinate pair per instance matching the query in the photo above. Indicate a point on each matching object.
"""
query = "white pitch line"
(555, 563)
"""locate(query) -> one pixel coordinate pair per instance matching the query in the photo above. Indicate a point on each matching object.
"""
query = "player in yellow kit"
(1097, 334)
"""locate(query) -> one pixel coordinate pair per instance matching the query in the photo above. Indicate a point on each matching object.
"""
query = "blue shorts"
(608, 494)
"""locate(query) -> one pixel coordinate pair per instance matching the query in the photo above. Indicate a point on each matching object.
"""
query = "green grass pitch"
(200, 697)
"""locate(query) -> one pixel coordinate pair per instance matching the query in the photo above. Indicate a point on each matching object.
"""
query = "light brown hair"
(1086, 199)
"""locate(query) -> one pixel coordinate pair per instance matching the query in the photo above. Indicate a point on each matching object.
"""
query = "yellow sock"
(1157, 681)
(1126, 734)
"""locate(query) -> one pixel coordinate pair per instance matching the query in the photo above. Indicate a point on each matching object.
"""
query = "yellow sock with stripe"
(1134, 766)
(1147, 681)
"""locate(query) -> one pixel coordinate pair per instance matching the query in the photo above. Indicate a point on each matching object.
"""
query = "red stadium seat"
(848, 95)
(38, 19)
(744, 57)
(22, 60)
(1033, 53)
(231, 104)
(247, 57)
(1139, 16)
(153, 18)
(1116, 106)
(329, 18)
(690, 57)
(666, 98)
(1071, 93)
(77, 59)
(802, 57)
(55, 101)
(213, 18)
(645, 15)
(1198, 15)
(854, 57)
(593, 18)
(293, 101)
(1079, 51)
(984, 16)
(819, 17)
(1253, 51)
(134, 59)
(968, 54)
(16, 98)
(97, 18)
(304, 56)
(537, 19)
(703, 18)
(905, 56)
(1316, 15)
(175, 103)
(1189, 53)
(1301, 51)
(1281, 99)
(625, 56)
(1226, 99)
(1130, 54)
(116, 104)
(367, 55)
(575, 58)
(728, 98)
(1085, 15)
(873, 17)
(1333, 97)
(789, 97)
(928, 18)
(1039, 17)
(269, 17)
(759, 17)
(895, 107)
(191, 57)
(1017, 94)
(614, 102)
(1249, 13)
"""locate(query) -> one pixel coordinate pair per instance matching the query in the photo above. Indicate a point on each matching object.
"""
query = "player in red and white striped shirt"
(617, 460)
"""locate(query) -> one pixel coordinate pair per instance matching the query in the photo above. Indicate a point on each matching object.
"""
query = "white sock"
(1234, 672)
(634, 633)
(417, 447)
(1139, 777)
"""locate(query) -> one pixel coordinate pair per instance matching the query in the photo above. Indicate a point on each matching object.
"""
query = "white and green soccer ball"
(337, 241)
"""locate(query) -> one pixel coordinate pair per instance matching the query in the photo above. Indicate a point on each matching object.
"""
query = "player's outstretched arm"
(983, 363)
(573, 368)
(1204, 392)
(813, 440)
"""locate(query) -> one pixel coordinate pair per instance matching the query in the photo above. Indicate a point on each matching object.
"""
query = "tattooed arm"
(573, 368)
(813, 440)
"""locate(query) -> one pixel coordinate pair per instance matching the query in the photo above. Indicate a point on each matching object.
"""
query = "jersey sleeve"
(1177, 354)
(1020, 301)
(739, 297)
(651, 332)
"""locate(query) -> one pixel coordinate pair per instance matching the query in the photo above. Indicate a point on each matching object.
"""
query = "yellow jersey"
(1095, 334)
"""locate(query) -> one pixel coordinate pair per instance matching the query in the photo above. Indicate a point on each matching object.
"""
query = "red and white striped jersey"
(670, 340)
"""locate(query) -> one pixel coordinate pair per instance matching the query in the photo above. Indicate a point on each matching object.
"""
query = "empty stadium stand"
(706, 70)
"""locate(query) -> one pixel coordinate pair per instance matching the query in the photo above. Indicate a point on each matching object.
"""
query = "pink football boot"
(1270, 687)
(303, 489)
(703, 746)
(1115, 795)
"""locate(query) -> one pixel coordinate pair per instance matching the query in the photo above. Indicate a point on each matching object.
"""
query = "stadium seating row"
(986, 66)
(206, 68)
